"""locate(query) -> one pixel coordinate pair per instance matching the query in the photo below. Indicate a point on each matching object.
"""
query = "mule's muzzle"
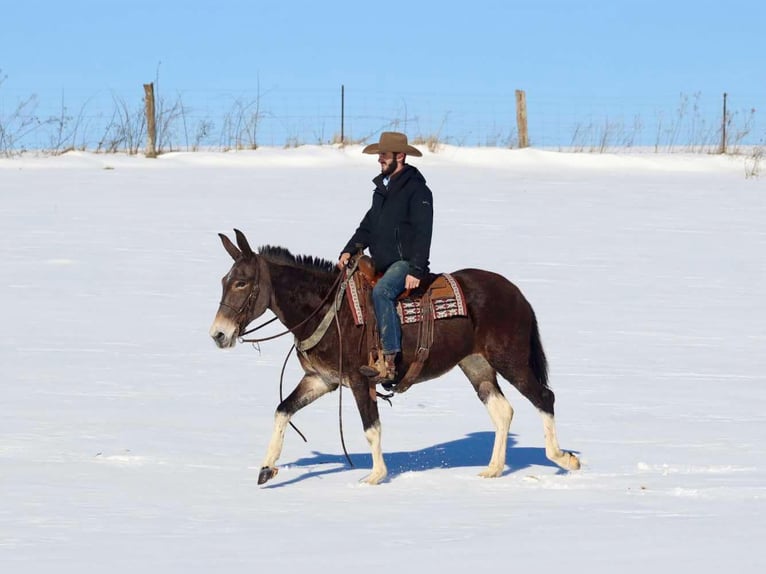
(221, 340)
(224, 333)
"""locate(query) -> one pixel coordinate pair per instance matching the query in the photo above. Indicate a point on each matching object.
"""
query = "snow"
(129, 442)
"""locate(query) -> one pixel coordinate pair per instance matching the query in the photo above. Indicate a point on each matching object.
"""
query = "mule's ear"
(230, 248)
(243, 244)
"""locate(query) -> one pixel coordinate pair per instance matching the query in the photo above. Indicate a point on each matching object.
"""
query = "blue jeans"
(384, 295)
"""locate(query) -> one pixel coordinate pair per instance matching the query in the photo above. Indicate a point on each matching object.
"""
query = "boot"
(390, 380)
(375, 369)
(385, 374)
(390, 361)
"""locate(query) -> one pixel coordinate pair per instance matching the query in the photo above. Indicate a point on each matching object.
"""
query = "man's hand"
(411, 282)
(343, 261)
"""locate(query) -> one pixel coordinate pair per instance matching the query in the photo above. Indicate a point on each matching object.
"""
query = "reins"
(333, 290)
(336, 290)
(254, 329)
(281, 379)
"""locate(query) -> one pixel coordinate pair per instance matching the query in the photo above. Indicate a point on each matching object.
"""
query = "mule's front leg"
(366, 401)
(308, 390)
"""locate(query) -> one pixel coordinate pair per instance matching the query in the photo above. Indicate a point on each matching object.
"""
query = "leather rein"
(336, 290)
(337, 287)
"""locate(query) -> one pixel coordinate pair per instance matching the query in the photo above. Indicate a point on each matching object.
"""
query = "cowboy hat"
(394, 142)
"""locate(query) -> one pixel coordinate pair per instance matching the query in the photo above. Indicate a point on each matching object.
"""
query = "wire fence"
(225, 119)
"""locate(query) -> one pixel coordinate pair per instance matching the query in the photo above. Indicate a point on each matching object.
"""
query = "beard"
(387, 170)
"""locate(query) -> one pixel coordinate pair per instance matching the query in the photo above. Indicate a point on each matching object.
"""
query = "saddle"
(438, 297)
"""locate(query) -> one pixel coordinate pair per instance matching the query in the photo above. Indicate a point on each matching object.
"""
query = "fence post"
(151, 123)
(342, 113)
(521, 118)
(723, 126)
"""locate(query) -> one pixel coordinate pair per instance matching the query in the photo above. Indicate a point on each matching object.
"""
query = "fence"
(228, 119)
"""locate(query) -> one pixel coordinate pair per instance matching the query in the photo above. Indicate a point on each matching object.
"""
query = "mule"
(499, 335)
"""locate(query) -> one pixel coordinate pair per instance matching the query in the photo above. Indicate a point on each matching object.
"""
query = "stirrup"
(388, 380)
(376, 373)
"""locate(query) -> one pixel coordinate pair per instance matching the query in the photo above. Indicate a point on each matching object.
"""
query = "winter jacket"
(398, 226)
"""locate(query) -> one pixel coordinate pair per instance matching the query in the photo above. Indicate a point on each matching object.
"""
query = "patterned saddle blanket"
(445, 297)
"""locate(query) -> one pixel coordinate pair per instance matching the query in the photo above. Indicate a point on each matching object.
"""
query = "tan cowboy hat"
(392, 142)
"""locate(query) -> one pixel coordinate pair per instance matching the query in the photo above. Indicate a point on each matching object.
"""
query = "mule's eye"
(240, 284)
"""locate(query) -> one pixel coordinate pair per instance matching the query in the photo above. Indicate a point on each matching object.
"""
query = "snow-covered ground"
(130, 443)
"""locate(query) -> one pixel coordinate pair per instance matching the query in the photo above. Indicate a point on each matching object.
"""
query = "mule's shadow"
(472, 450)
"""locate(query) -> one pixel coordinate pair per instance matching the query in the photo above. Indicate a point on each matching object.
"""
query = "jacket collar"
(397, 182)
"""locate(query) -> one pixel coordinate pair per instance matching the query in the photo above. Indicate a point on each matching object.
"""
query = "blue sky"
(616, 57)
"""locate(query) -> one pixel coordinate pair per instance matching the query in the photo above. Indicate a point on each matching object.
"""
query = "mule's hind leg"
(484, 381)
(543, 398)
(564, 459)
(310, 388)
(525, 380)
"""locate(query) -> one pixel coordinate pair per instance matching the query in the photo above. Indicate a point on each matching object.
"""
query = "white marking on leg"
(277, 440)
(565, 460)
(379, 470)
(501, 413)
(311, 388)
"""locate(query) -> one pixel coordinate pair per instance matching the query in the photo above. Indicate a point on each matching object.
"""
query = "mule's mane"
(277, 254)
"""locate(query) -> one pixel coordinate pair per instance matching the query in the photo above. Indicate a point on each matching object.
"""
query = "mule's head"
(246, 292)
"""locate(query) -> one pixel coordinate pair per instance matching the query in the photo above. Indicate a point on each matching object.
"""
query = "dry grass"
(753, 163)
(181, 128)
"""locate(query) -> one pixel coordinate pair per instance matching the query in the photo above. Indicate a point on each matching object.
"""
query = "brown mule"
(500, 335)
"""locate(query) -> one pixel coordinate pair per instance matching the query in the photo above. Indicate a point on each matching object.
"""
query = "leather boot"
(390, 367)
(378, 376)
(375, 369)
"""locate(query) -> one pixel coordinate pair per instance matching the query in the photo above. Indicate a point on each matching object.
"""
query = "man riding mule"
(397, 230)
(498, 334)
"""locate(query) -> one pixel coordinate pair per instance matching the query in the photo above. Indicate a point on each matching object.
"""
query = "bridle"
(246, 305)
(244, 310)
(336, 290)
(337, 286)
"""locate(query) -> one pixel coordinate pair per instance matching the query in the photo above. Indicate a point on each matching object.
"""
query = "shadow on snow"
(473, 450)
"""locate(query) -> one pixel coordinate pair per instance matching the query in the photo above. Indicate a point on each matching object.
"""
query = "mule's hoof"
(490, 472)
(572, 462)
(374, 479)
(266, 474)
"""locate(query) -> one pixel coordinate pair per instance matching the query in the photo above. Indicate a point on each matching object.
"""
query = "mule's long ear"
(243, 244)
(230, 248)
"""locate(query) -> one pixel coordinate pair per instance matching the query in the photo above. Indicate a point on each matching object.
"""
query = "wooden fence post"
(342, 114)
(521, 118)
(723, 126)
(151, 123)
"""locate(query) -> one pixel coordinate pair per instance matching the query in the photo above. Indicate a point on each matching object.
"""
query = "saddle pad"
(447, 300)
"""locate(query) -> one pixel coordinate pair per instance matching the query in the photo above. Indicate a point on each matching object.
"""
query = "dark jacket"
(399, 223)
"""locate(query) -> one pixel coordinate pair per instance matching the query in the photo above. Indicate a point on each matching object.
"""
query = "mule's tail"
(537, 361)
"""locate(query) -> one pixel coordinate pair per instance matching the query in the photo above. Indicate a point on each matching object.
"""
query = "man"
(397, 230)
